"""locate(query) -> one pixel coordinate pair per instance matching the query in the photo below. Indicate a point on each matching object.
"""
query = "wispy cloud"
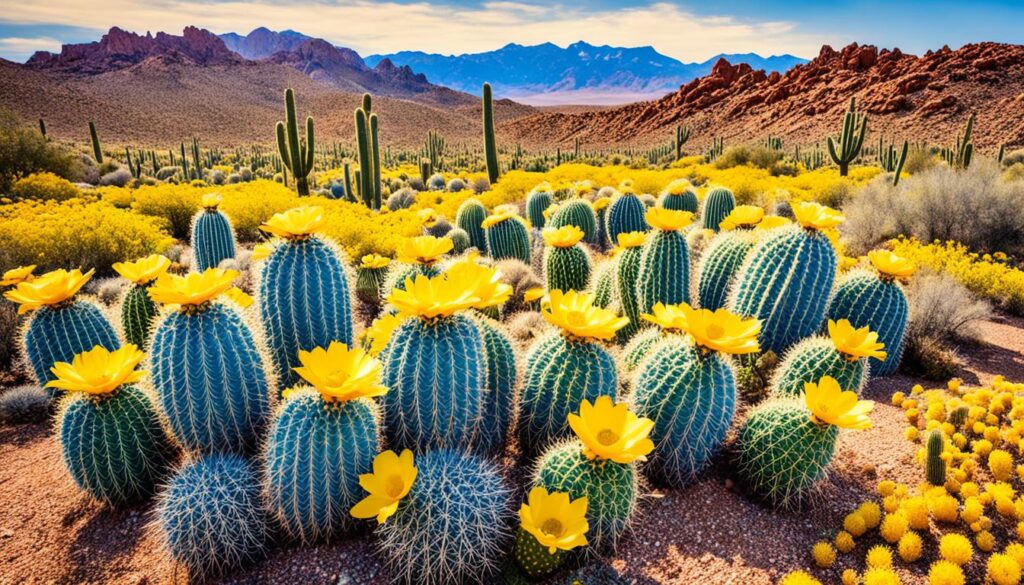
(378, 27)
(19, 48)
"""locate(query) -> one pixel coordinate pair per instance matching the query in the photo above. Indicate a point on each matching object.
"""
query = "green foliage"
(959, 155)
(24, 151)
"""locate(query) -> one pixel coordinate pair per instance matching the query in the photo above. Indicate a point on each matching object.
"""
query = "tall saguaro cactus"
(297, 157)
(97, 152)
(369, 154)
(682, 136)
(490, 145)
(959, 155)
(851, 139)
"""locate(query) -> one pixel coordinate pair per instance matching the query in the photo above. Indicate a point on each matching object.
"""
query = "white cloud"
(384, 27)
(21, 48)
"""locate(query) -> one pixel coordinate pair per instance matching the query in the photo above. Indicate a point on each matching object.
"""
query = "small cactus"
(935, 465)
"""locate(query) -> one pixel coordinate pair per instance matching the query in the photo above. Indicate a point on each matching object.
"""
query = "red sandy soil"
(710, 533)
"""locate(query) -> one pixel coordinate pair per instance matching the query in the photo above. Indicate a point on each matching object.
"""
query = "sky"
(688, 31)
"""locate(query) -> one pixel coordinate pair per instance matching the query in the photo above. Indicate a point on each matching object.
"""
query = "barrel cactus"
(138, 310)
(680, 196)
(537, 201)
(566, 263)
(110, 434)
(876, 300)
(61, 325)
(550, 524)
(599, 464)
(786, 445)
(370, 278)
(844, 355)
(304, 292)
(470, 218)
(565, 367)
(502, 384)
(441, 517)
(420, 255)
(786, 280)
(580, 213)
(718, 204)
(206, 366)
(626, 277)
(664, 275)
(460, 240)
(624, 215)
(605, 284)
(507, 235)
(213, 238)
(322, 437)
(724, 256)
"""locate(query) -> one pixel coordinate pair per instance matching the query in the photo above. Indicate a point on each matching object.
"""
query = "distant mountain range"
(579, 73)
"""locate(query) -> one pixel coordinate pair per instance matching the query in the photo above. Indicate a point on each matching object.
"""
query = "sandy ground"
(710, 533)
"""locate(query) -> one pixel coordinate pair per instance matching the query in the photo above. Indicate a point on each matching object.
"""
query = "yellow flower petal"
(341, 374)
(144, 270)
(392, 479)
(424, 249)
(300, 222)
(611, 431)
(813, 215)
(631, 239)
(855, 343)
(98, 371)
(668, 220)
(829, 404)
(554, 521)
(742, 216)
(194, 288)
(891, 265)
(17, 275)
(576, 315)
(49, 289)
(566, 236)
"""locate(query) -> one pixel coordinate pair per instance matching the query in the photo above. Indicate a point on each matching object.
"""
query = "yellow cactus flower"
(575, 313)
(813, 215)
(722, 330)
(341, 374)
(534, 294)
(956, 548)
(798, 578)
(262, 251)
(239, 297)
(547, 213)
(668, 220)
(566, 236)
(890, 265)
(392, 479)
(431, 297)
(374, 261)
(554, 520)
(829, 404)
(677, 187)
(601, 203)
(1003, 569)
(742, 216)
(211, 200)
(844, 542)
(631, 239)
(773, 221)
(427, 216)
(192, 289)
(855, 343)
(17, 275)
(823, 554)
(49, 289)
(611, 431)
(144, 270)
(297, 223)
(500, 214)
(379, 333)
(98, 371)
(424, 249)
(483, 282)
(668, 317)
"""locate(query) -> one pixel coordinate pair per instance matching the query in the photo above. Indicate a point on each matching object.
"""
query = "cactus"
(640, 347)
(500, 390)
(664, 273)
(313, 457)
(865, 299)
(536, 202)
(56, 333)
(460, 240)
(625, 214)
(138, 312)
(691, 397)
(580, 213)
(211, 516)
(304, 301)
(452, 526)
(785, 282)
(683, 201)
(626, 277)
(490, 144)
(209, 379)
(935, 465)
(469, 217)
(719, 264)
(297, 156)
(534, 558)
(959, 155)
(567, 268)
(718, 204)
(213, 239)
(958, 417)
(370, 283)
(375, 153)
(892, 162)
(813, 358)
(850, 139)
(561, 371)
(113, 444)
(605, 284)
(682, 137)
(94, 138)
(364, 175)
(508, 238)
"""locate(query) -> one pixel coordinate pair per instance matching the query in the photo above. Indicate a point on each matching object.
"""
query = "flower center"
(393, 486)
(607, 437)
(715, 331)
(576, 318)
(552, 526)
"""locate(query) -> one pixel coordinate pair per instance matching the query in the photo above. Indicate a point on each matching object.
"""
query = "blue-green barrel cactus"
(786, 282)
(211, 515)
(561, 371)
(626, 279)
(567, 268)
(114, 445)
(580, 213)
(452, 527)
(639, 347)
(305, 301)
(213, 238)
(625, 214)
(469, 218)
(605, 284)
(783, 453)
(690, 394)
(810, 360)
(508, 238)
(500, 397)
(313, 456)
(56, 333)
(866, 299)
(536, 203)
(664, 275)
(683, 200)
(138, 312)
(436, 372)
(209, 378)
(718, 203)
(400, 271)
(719, 264)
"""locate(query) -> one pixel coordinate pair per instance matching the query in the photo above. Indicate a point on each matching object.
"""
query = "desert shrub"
(234, 178)
(920, 160)
(10, 326)
(480, 184)
(757, 156)
(24, 404)
(24, 151)
(215, 177)
(401, 199)
(116, 178)
(521, 278)
(1014, 157)
(942, 313)
(436, 182)
(167, 173)
(245, 174)
(417, 184)
(44, 186)
(456, 185)
(784, 168)
(108, 290)
(1014, 173)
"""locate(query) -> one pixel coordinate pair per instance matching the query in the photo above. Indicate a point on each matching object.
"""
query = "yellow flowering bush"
(44, 186)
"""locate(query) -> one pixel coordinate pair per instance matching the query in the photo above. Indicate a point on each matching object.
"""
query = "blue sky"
(689, 31)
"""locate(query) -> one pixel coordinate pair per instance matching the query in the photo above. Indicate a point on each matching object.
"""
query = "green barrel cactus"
(213, 238)
(813, 358)
(626, 278)
(679, 196)
(625, 214)
(138, 311)
(460, 240)
(639, 347)
(566, 262)
(935, 465)
(664, 274)
(507, 236)
(500, 396)
(605, 284)
(470, 218)
(370, 277)
(719, 265)
(718, 203)
(536, 202)
(580, 213)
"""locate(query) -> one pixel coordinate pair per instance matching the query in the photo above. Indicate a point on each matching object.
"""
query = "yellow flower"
(575, 313)
(668, 220)
(855, 343)
(424, 249)
(391, 480)
(677, 187)
(721, 330)
(548, 211)
(889, 264)
(431, 297)
(379, 333)
(373, 261)
(211, 200)
(554, 521)
(668, 317)
(534, 294)
(631, 239)
(427, 216)
(611, 431)
(813, 215)
(483, 283)
(602, 202)
(772, 222)
(49, 289)
(829, 404)
(566, 236)
(194, 288)
(262, 251)
(239, 297)
(341, 374)
(144, 270)
(500, 214)
(17, 275)
(742, 216)
(98, 371)
(299, 222)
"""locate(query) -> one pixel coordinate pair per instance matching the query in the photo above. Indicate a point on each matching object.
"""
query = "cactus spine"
(868, 300)
(297, 156)
(625, 214)
(57, 333)
(567, 269)
(490, 144)
(138, 312)
(470, 217)
(684, 201)
(213, 239)
(627, 276)
(536, 202)
(959, 155)
(850, 139)
(500, 391)
(935, 465)
(718, 204)
(370, 284)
